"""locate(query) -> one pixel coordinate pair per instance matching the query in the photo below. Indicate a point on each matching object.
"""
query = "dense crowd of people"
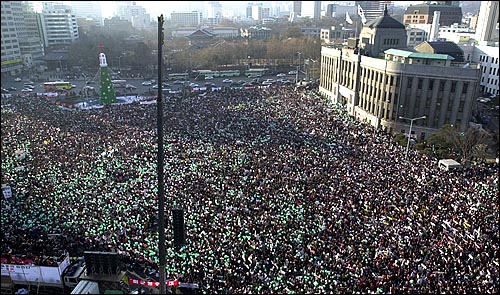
(283, 192)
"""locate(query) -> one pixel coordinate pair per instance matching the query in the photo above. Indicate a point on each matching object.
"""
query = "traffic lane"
(142, 89)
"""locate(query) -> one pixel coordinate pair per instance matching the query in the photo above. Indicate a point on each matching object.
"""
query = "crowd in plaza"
(283, 192)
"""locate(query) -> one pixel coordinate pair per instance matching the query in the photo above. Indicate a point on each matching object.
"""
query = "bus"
(218, 74)
(178, 76)
(252, 73)
(119, 83)
(52, 86)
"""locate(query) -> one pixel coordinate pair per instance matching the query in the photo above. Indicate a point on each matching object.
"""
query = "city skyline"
(155, 8)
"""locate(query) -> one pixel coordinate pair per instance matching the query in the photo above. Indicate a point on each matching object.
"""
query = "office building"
(59, 26)
(87, 9)
(487, 57)
(374, 9)
(12, 62)
(487, 23)
(311, 9)
(424, 14)
(193, 18)
(297, 8)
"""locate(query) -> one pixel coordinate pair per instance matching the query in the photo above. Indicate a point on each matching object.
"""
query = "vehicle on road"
(12, 88)
(51, 86)
(129, 86)
(146, 83)
(227, 81)
(27, 90)
(281, 75)
(17, 79)
(292, 73)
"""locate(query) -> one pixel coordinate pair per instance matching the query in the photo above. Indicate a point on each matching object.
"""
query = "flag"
(348, 18)
(361, 13)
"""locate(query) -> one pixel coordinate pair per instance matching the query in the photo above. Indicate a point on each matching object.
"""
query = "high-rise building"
(311, 9)
(297, 8)
(487, 57)
(12, 62)
(87, 9)
(214, 10)
(135, 14)
(58, 24)
(257, 12)
(30, 42)
(487, 23)
(374, 9)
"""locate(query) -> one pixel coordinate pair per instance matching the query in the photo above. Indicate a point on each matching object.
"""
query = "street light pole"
(298, 68)
(60, 63)
(409, 132)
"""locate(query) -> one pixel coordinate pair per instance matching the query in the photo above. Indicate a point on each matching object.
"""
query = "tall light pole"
(120, 64)
(409, 132)
(60, 63)
(298, 68)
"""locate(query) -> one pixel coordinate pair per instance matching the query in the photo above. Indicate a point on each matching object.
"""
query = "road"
(141, 90)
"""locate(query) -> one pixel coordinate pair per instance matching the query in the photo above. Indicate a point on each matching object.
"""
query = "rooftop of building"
(411, 54)
(385, 22)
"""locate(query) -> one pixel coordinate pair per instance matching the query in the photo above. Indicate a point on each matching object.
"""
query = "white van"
(448, 164)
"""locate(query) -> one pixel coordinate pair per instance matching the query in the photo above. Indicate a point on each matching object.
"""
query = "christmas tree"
(107, 90)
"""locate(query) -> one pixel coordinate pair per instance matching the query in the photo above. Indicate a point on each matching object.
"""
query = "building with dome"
(386, 83)
(381, 34)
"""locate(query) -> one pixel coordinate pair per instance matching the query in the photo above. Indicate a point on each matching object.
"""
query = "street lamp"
(60, 63)
(298, 67)
(409, 133)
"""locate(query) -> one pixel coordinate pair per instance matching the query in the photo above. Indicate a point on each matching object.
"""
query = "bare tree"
(466, 144)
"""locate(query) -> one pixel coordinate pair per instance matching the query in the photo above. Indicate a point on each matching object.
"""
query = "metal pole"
(409, 135)
(161, 190)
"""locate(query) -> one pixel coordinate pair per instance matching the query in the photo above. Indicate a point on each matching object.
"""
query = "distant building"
(59, 25)
(487, 57)
(87, 9)
(336, 35)
(135, 14)
(487, 24)
(424, 14)
(255, 33)
(311, 31)
(374, 9)
(311, 9)
(116, 24)
(297, 8)
(186, 18)
(201, 38)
